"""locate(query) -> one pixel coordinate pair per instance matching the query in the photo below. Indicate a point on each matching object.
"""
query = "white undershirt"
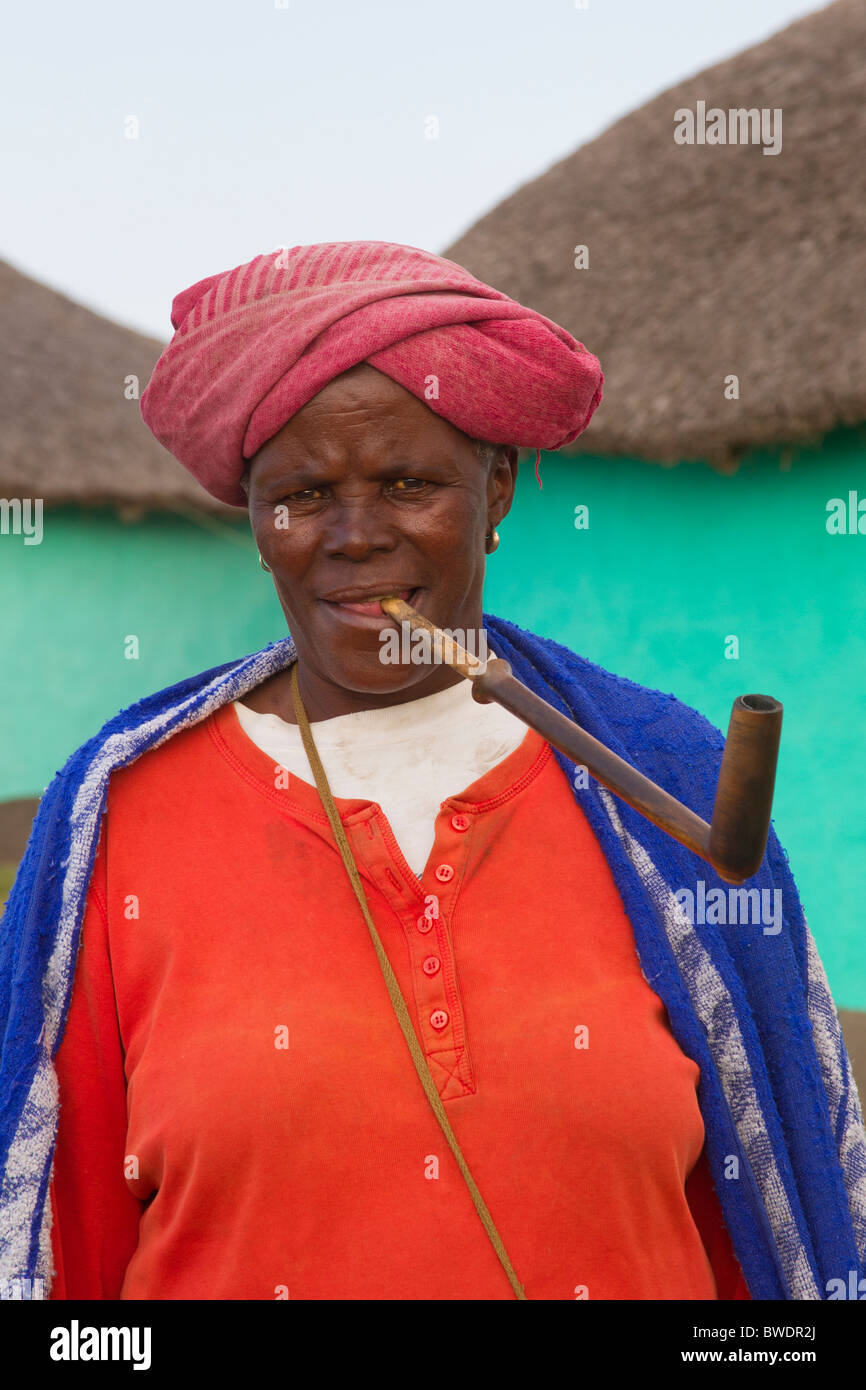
(407, 758)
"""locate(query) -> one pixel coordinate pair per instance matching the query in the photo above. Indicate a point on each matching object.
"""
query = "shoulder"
(617, 695)
(665, 738)
(159, 717)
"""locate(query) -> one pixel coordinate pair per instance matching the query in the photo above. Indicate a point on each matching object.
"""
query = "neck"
(324, 699)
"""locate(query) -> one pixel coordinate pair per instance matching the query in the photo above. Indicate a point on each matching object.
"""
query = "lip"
(357, 607)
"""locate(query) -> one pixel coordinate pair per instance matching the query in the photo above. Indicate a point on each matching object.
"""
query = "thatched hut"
(71, 428)
(129, 545)
(710, 259)
(691, 538)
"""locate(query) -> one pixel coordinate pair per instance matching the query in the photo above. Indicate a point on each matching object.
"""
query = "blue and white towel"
(750, 1005)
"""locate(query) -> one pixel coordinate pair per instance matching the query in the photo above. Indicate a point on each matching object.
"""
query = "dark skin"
(378, 487)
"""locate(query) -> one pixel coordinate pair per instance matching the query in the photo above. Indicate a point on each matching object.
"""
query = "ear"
(501, 483)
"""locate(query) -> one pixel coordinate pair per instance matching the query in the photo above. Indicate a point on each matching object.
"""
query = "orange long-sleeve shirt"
(240, 1117)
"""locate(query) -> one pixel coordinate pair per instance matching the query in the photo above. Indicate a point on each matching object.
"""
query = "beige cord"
(396, 997)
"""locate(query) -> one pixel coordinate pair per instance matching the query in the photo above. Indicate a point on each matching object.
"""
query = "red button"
(431, 965)
(439, 1018)
(444, 873)
(460, 822)
(424, 924)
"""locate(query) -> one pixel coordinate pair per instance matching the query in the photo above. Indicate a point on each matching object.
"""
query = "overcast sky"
(265, 123)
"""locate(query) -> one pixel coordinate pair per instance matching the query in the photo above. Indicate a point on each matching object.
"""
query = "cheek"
(453, 524)
(263, 523)
(286, 541)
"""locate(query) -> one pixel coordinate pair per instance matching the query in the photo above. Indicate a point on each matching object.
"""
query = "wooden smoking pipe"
(733, 842)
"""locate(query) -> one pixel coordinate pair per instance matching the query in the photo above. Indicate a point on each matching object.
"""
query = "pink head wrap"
(254, 344)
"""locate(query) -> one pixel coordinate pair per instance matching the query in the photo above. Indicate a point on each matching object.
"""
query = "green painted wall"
(673, 562)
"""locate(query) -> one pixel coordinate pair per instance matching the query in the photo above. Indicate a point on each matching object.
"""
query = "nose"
(356, 528)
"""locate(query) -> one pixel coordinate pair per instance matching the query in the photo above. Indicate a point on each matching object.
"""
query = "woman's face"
(366, 491)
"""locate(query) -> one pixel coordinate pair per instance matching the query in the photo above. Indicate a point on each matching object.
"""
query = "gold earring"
(262, 563)
(494, 536)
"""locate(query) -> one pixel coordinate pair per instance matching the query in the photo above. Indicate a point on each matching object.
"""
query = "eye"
(302, 496)
(310, 494)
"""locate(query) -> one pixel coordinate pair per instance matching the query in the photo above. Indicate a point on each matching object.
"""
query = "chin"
(374, 677)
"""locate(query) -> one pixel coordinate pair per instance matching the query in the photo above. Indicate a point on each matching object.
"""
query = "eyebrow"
(308, 473)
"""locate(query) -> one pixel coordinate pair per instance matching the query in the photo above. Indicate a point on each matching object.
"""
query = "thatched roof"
(67, 433)
(708, 259)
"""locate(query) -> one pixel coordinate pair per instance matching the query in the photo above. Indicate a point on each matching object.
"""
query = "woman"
(613, 1102)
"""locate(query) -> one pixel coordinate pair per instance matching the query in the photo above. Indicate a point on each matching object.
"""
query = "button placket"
(425, 912)
(431, 944)
(430, 950)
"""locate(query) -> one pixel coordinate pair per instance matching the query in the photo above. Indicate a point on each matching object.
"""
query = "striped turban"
(252, 345)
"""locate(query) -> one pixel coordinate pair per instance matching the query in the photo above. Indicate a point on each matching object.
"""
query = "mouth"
(367, 605)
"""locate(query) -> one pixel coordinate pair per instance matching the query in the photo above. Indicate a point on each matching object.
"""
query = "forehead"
(364, 409)
(361, 382)
(359, 391)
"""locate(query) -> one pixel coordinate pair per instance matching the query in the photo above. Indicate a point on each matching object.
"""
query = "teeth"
(376, 599)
